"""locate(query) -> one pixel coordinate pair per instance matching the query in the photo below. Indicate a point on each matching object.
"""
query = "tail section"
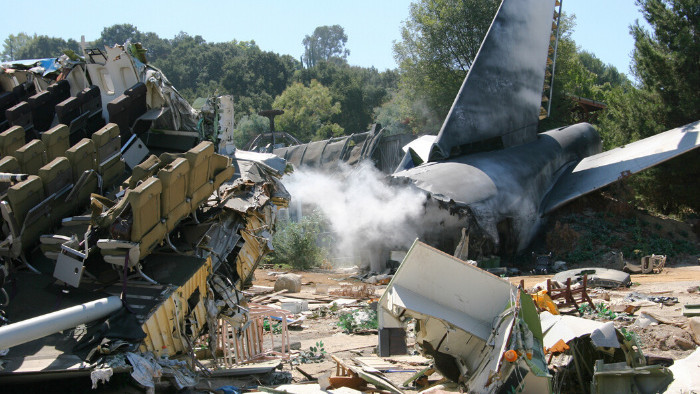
(499, 102)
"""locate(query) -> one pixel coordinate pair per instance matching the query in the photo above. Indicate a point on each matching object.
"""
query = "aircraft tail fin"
(499, 102)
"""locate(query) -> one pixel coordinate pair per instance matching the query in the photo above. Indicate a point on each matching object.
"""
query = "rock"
(684, 344)
(694, 328)
(289, 282)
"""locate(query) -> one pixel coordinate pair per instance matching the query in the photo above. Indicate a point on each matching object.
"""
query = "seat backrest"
(11, 140)
(143, 170)
(118, 110)
(81, 157)
(174, 179)
(42, 107)
(56, 175)
(20, 115)
(138, 101)
(107, 142)
(145, 206)
(9, 164)
(31, 156)
(7, 100)
(25, 196)
(198, 158)
(67, 110)
(90, 99)
(59, 91)
(56, 141)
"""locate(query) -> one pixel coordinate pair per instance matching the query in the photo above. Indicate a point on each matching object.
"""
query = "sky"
(602, 26)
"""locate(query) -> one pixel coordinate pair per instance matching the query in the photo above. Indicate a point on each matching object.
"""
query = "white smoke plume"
(361, 207)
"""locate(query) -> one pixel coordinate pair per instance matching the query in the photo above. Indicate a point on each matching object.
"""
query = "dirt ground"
(670, 339)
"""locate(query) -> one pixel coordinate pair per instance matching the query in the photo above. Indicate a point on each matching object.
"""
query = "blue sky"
(279, 26)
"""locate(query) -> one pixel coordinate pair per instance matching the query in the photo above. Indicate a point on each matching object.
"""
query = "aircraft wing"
(500, 97)
(597, 171)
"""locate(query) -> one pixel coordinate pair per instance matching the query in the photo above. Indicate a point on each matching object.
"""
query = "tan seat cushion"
(56, 141)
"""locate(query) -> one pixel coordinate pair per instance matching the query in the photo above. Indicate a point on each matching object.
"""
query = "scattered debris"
(597, 277)
(653, 264)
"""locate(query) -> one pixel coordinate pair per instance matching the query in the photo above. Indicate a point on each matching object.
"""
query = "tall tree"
(666, 61)
(119, 34)
(307, 112)
(438, 44)
(327, 43)
(13, 44)
(45, 47)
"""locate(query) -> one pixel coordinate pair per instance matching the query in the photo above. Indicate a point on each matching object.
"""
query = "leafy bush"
(358, 320)
(296, 243)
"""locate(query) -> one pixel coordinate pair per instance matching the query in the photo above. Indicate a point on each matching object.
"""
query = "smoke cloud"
(362, 208)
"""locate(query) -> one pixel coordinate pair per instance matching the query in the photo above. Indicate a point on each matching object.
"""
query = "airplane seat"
(138, 94)
(24, 213)
(11, 140)
(199, 187)
(91, 105)
(119, 110)
(31, 156)
(10, 165)
(109, 162)
(7, 100)
(173, 201)
(42, 107)
(57, 178)
(68, 113)
(59, 90)
(220, 169)
(56, 141)
(21, 115)
(82, 160)
(142, 171)
(147, 228)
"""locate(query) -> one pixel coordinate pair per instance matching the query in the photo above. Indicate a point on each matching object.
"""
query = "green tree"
(327, 43)
(118, 34)
(248, 127)
(45, 47)
(13, 44)
(308, 111)
(358, 90)
(438, 44)
(665, 62)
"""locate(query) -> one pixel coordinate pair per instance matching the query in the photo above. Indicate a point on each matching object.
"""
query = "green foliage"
(602, 311)
(358, 320)
(296, 243)
(327, 43)
(315, 354)
(666, 66)
(248, 127)
(439, 41)
(22, 46)
(358, 90)
(603, 233)
(276, 327)
(308, 111)
(12, 44)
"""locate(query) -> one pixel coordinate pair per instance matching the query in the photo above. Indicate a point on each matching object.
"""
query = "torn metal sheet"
(467, 320)
(597, 277)
(567, 328)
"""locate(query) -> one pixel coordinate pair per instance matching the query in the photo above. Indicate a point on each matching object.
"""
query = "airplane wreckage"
(122, 202)
(488, 169)
(124, 205)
